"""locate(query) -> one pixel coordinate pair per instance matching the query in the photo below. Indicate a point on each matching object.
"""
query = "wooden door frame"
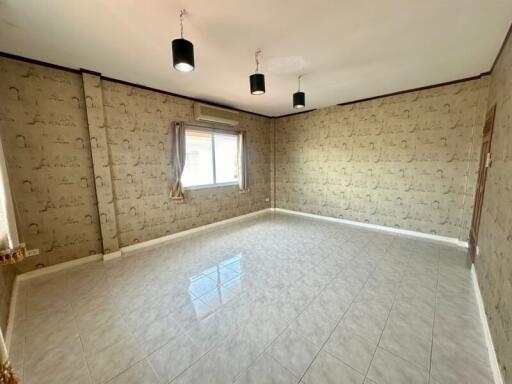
(484, 164)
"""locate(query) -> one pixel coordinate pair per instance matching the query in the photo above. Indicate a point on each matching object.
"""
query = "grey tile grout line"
(394, 354)
(355, 296)
(288, 326)
(434, 320)
(84, 356)
(271, 342)
(343, 316)
(383, 328)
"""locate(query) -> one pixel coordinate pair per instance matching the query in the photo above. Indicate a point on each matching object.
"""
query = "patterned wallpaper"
(7, 275)
(138, 123)
(101, 161)
(43, 126)
(494, 264)
(406, 161)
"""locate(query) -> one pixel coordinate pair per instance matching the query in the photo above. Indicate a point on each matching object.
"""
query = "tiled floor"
(277, 299)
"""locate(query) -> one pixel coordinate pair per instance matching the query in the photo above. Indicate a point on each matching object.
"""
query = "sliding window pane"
(198, 163)
(226, 158)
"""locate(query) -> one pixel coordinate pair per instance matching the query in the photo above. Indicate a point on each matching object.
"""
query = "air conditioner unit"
(211, 114)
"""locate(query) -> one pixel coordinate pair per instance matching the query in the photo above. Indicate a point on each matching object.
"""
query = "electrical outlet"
(32, 252)
(267, 199)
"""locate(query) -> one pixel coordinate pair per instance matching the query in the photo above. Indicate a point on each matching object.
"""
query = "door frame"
(484, 164)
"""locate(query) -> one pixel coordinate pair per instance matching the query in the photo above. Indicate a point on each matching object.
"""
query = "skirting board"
(192, 231)
(110, 256)
(12, 309)
(493, 359)
(32, 275)
(381, 228)
(58, 267)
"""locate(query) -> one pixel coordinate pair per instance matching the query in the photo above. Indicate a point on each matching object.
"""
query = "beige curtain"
(178, 158)
(243, 162)
(8, 231)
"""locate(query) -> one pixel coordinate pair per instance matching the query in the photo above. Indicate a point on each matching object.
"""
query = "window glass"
(198, 163)
(226, 158)
(212, 158)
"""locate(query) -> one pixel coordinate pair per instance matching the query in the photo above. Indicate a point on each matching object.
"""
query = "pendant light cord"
(258, 52)
(182, 13)
(300, 77)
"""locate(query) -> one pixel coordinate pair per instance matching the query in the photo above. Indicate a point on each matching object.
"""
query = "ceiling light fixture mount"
(299, 98)
(182, 50)
(257, 80)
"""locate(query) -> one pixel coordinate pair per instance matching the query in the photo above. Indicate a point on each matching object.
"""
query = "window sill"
(209, 186)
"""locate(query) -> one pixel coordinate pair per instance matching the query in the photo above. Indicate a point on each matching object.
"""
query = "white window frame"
(212, 131)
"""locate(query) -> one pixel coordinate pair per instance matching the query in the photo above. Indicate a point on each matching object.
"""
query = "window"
(212, 158)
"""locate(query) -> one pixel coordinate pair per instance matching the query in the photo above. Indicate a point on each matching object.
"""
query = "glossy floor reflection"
(275, 299)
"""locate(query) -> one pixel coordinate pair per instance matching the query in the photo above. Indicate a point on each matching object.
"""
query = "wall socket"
(267, 199)
(32, 252)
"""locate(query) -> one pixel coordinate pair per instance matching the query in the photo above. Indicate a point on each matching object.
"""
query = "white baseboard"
(12, 311)
(493, 359)
(188, 232)
(112, 255)
(381, 228)
(58, 267)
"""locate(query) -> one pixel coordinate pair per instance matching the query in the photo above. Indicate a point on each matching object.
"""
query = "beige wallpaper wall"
(406, 161)
(494, 264)
(101, 160)
(7, 275)
(43, 126)
(138, 123)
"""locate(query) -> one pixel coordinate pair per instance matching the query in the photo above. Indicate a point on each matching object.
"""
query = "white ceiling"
(346, 49)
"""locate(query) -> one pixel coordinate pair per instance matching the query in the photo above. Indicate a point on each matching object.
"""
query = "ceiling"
(346, 49)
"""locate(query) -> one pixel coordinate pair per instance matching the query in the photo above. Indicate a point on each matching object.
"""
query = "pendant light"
(182, 51)
(257, 80)
(299, 98)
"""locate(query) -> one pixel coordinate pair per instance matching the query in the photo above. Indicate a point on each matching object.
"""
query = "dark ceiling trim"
(55, 66)
(94, 73)
(83, 70)
(295, 113)
(498, 55)
(181, 96)
(38, 62)
(395, 93)
(503, 44)
(463, 80)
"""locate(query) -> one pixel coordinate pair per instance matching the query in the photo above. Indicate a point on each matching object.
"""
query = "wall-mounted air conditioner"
(210, 114)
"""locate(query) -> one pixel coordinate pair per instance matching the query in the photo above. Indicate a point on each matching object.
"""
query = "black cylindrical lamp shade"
(257, 81)
(183, 55)
(299, 100)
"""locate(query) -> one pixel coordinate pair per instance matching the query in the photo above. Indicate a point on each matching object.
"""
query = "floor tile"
(111, 361)
(140, 373)
(174, 357)
(255, 303)
(314, 325)
(294, 352)
(406, 343)
(326, 369)
(266, 370)
(387, 368)
(351, 349)
(449, 367)
(60, 365)
(156, 334)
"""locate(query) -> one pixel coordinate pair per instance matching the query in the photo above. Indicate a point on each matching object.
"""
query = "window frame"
(213, 131)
